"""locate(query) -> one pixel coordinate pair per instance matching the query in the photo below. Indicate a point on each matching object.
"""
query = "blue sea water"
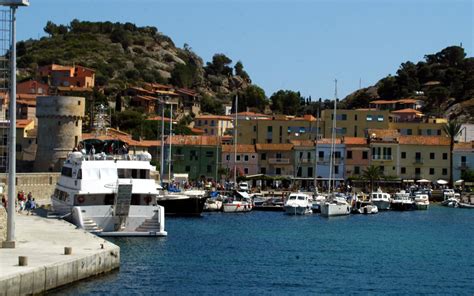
(269, 253)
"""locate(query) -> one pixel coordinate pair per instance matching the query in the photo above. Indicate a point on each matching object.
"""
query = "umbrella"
(423, 181)
(459, 182)
(442, 182)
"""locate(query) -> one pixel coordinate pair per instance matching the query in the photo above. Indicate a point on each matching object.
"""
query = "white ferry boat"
(109, 195)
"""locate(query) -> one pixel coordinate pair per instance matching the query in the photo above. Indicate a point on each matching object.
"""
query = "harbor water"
(422, 252)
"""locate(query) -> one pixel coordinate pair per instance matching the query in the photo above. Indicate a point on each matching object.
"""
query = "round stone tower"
(59, 130)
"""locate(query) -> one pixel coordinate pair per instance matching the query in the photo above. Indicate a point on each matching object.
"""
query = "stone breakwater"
(57, 254)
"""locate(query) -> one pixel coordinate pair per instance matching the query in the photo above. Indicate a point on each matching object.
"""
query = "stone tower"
(59, 130)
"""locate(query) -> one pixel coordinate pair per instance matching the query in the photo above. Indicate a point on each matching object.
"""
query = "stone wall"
(41, 185)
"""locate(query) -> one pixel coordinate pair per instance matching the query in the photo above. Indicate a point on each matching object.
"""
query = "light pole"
(10, 242)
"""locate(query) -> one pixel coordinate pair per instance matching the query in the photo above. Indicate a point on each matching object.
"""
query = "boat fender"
(80, 199)
(348, 209)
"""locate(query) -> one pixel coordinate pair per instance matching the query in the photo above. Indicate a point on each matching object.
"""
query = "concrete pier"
(44, 242)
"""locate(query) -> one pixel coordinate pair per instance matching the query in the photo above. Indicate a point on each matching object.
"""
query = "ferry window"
(122, 173)
(143, 174)
(65, 171)
(134, 174)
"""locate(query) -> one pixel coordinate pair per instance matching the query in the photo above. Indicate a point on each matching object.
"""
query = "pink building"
(247, 159)
(357, 156)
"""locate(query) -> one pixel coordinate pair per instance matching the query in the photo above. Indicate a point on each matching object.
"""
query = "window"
(246, 157)
(428, 132)
(209, 168)
(278, 171)
(193, 155)
(79, 103)
(417, 171)
(432, 155)
(463, 158)
(59, 123)
(321, 154)
(404, 155)
(432, 171)
(445, 172)
(263, 170)
(227, 157)
(254, 141)
(365, 154)
(380, 118)
(310, 171)
(369, 118)
(355, 117)
(254, 128)
(439, 132)
(238, 157)
(209, 153)
(269, 129)
(205, 122)
(409, 132)
(349, 154)
(246, 171)
(300, 172)
(77, 122)
(269, 141)
(337, 154)
(403, 170)
(263, 156)
(212, 123)
(187, 168)
(356, 170)
(445, 156)
(417, 155)
(381, 168)
(344, 116)
(336, 169)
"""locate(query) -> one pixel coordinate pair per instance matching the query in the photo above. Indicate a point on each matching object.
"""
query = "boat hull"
(298, 210)
(330, 210)
(422, 206)
(236, 207)
(382, 205)
(402, 206)
(191, 206)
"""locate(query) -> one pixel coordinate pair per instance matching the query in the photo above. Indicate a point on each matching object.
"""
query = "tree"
(239, 70)
(286, 102)
(372, 173)
(437, 96)
(50, 28)
(452, 129)
(219, 66)
(253, 97)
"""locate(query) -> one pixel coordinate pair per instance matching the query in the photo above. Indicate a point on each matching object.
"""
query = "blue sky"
(299, 45)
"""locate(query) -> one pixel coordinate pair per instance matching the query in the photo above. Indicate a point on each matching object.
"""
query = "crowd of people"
(23, 203)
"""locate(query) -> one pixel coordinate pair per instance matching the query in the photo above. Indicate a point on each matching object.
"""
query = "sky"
(298, 45)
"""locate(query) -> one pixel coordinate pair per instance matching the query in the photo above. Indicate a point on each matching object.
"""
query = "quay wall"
(41, 185)
(3, 224)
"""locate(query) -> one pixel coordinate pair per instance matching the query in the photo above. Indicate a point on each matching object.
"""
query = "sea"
(270, 253)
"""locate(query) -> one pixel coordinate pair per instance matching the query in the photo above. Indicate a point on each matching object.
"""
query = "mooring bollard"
(67, 250)
(22, 260)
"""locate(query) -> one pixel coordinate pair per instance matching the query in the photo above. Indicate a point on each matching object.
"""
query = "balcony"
(279, 161)
(382, 157)
(463, 165)
(418, 161)
(306, 160)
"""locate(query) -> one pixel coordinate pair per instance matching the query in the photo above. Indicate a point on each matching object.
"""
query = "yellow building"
(276, 129)
(423, 127)
(384, 148)
(275, 159)
(355, 123)
(424, 157)
(213, 125)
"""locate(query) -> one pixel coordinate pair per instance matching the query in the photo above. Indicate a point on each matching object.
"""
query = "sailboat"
(336, 204)
(318, 198)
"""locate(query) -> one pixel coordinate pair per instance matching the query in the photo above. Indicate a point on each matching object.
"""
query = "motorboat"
(336, 205)
(213, 202)
(241, 201)
(298, 204)
(179, 202)
(109, 195)
(422, 201)
(363, 205)
(381, 200)
(451, 198)
(402, 202)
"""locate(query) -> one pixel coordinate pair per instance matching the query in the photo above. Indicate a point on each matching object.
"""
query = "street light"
(10, 242)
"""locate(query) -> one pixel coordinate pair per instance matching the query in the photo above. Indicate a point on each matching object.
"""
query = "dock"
(57, 254)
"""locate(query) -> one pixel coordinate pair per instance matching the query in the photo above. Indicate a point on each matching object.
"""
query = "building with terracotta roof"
(357, 157)
(409, 103)
(68, 76)
(277, 129)
(245, 161)
(384, 149)
(304, 162)
(422, 127)
(214, 125)
(323, 157)
(463, 159)
(32, 87)
(407, 114)
(275, 159)
(25, 143)
(424, 157)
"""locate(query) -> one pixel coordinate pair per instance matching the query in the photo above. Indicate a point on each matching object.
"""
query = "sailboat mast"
(171, 138)
(317, 151)
(235, 139)
(333, 131)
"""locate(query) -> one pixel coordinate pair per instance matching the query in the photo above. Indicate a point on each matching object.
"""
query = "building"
(467, 133)
(32, 87)
(214, 125)
(277, 129)
(357, 156)
(69, 76)
(463, 159)
(324, 170)
(193, 155)
(384, 149)
(419, 126)
(275, 159)
(354, 123)
(246, 160)
(424, 157)
(407, 103)
(304, 162)
(25, 144)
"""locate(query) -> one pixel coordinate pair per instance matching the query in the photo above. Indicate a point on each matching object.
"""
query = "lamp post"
(10, 242)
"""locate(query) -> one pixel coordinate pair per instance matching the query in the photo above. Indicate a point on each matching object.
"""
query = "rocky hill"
(444, 81)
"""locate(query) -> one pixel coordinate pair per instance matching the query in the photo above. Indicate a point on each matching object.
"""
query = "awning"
(459, 182)
(442, 182)
(423, 181)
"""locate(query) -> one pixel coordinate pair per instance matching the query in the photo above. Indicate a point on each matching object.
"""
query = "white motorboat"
(213, 202)
(422, 201)
(298, 204)
(402, 202)
(451, 198)
(240, 202)
(336, 205)
(381, 200)
(110, 195)
(363, 206)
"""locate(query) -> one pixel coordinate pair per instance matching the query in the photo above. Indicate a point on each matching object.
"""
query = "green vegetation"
(452, 129)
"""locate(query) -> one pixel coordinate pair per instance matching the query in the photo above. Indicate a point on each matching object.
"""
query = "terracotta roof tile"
(22, 123)
(274, 147)
(464, 146)
(302, 143)
(328, 141)
(355, 141)
(240, 148)
(424, 140)
(210, 116)
(406, 111)
(194, 140)
(383, 133)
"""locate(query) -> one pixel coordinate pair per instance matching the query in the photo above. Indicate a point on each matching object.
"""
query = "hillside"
(124, 55)
(444, 81)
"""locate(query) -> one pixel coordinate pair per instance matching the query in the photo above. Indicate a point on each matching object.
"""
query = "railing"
(382, 157)
(306, 160)
(463, 165)
(279, 160)
(418, 161)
